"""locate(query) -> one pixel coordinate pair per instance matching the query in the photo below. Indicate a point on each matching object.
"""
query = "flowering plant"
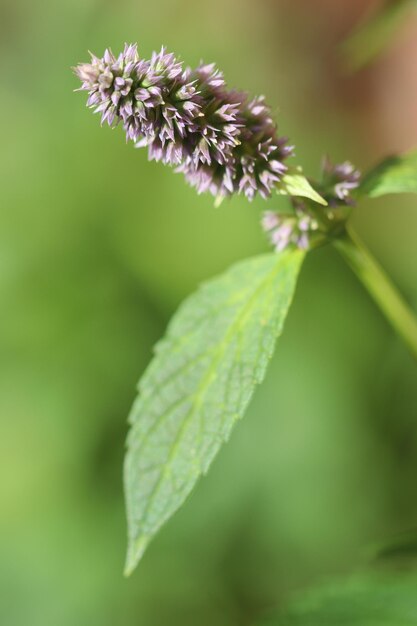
(218, 344)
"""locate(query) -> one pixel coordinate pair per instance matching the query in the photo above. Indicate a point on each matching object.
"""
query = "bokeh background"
(98, 247)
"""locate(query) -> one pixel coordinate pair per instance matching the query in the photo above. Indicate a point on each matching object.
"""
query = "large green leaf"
(363, 600)
(199, 383)
(396, 174)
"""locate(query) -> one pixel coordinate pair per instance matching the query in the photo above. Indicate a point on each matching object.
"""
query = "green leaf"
(204, 372)
(371, 37)
(363, 600)
(294, 183)
(396, 174)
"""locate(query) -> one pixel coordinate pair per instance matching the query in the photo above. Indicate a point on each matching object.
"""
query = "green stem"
(380, 287)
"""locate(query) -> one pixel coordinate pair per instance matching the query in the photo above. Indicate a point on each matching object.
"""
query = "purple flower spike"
(223, 142)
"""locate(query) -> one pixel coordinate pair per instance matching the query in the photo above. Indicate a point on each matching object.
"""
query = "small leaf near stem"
(294, 183)
(380, 287)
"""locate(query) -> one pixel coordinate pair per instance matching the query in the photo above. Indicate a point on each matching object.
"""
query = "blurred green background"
(98, 247)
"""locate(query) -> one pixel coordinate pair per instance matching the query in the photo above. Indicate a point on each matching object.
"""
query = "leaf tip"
(320, 200)
(135, 552)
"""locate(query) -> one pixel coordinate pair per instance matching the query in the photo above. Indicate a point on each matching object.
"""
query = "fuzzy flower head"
(222, 141)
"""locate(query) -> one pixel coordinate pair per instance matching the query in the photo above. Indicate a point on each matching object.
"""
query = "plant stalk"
(379, 285)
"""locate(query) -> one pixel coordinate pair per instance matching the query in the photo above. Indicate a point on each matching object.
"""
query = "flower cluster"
(286, 230)
(222, 141)
(309, 224)
(338, 182)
